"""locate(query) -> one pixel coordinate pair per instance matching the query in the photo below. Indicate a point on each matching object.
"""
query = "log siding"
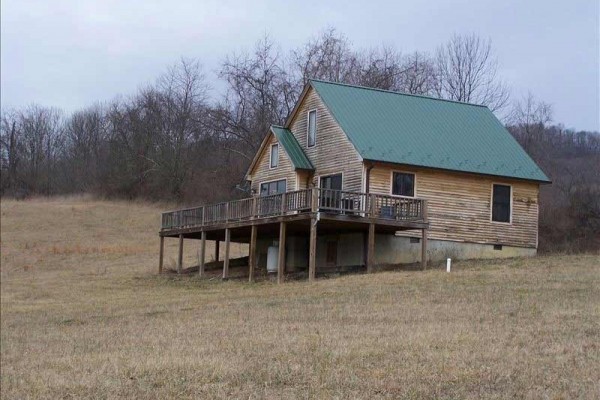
(459, 206)
(333, 152)
(264, 173)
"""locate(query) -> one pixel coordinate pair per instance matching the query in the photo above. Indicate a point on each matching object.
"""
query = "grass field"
(84, 315)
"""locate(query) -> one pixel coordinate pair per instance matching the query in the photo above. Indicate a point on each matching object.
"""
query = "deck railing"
(344, 202)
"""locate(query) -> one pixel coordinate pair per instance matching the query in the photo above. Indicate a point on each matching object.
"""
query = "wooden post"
(226, 259)
(424, 249)
(312, 253)
(252, 254)
(372, 205)
(161, 254)
(217, 242)
(202, 254)
(283, 204)
(254, 207)
(371, 248)
(314, 200)
(281, 259)
(180, 256)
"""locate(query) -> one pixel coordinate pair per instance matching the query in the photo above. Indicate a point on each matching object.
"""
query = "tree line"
(174, 139)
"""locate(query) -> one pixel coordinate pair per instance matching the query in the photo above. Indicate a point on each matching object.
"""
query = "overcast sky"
(70, 54)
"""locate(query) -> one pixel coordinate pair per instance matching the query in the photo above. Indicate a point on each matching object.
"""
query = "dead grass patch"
(82, 323)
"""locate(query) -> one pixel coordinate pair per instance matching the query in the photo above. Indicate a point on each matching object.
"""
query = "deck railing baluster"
(328, 200)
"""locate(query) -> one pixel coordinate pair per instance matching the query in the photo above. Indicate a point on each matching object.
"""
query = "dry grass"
(85, 316)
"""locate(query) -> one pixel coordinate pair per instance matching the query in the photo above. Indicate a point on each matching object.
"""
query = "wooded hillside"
(176, 139)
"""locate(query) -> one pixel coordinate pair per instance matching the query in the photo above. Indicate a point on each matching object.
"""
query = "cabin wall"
(333, 152)
(263, 173)
(459, 206)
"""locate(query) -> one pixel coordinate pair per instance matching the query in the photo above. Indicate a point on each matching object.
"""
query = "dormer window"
(274, 155)
(312, 128)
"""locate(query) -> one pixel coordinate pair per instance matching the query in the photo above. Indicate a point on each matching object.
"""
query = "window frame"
(319, 177)
(271, 166)
(510, 213)
(271, 181)
(396, 171)
(308, 145)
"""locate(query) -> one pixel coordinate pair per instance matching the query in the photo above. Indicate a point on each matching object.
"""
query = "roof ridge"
(394, 92)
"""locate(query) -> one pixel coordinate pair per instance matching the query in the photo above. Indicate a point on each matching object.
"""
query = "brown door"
(331, 258)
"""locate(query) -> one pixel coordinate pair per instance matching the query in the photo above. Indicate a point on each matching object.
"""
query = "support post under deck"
(226, 259)
(252, 254)
(180, 255)
(202, 254)
(217, 243)
(312, 252)
(281, 259)
(424, 249)
(161, 254)
(371, 248)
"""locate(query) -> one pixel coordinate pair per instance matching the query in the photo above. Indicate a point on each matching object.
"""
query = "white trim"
(328, 175)
(510, 217)
(271, 181)
(308, 146)
(414, 196)
(271, 155)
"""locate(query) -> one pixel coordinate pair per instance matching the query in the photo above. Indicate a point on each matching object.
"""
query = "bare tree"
(529, 118)
(181, 107)
(259, 93)
(379, 68)
(10, 151)
(86, 133)
(418, 74)
(328, 57)
(468, 72)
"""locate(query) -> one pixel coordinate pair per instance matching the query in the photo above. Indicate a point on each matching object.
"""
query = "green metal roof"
(292, 147)
(424, 131)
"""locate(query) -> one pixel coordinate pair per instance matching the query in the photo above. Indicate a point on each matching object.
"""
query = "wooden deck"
(337, 204)
(296, 211)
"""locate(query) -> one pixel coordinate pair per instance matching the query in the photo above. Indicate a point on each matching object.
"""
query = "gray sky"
(70, 54)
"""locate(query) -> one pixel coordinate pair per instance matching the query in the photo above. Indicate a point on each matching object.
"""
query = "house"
(359, 177)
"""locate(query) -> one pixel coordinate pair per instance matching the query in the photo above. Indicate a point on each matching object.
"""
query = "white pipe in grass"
(448, 264)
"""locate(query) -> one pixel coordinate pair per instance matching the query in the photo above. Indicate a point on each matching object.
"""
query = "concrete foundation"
(403, 250)
(350, 251)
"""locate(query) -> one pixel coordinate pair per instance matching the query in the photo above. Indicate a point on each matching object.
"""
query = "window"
(312, 128)
(328, 198)
(333, 182)
(497, 247)
(403, 184)
(274, 155)
(272, 187)
(501, 195)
